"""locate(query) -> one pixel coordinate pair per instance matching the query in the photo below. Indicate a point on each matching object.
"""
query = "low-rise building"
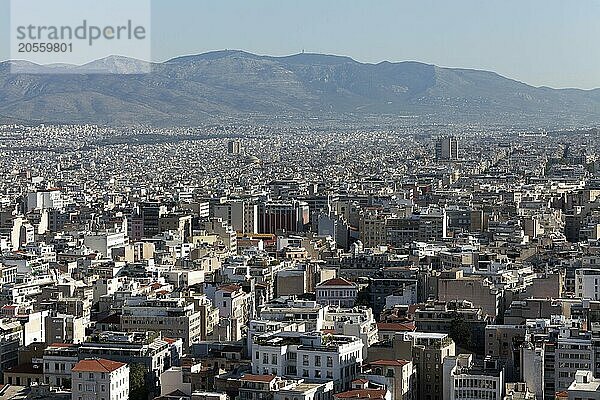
(100, 379)
(337, 292)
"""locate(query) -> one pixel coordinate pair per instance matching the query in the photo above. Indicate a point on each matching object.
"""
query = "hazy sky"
(541, 42)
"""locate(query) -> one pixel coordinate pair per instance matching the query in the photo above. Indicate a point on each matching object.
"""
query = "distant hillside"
(197, 89)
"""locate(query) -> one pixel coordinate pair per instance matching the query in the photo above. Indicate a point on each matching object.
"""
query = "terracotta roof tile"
(336, 282)
(97, 365)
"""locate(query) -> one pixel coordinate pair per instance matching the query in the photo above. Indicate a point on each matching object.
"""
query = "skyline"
(541, 43)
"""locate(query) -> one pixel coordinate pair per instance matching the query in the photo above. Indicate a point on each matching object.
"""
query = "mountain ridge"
(199, 88)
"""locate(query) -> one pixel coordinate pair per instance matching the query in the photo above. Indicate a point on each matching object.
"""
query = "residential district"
(299, 263)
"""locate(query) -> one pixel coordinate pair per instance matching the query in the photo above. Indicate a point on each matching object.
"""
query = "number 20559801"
(45, 47)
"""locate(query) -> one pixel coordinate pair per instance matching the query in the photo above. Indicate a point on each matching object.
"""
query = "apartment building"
(312, 356)
(172, 317)
(100, 379)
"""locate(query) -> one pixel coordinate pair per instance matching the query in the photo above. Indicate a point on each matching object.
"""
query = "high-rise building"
(427, 352)
(446, 148)
(290, 216)
(234, 147)
(150, 216)
(242, 215)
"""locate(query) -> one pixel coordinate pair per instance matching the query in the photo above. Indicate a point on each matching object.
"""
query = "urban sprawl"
(244, 262)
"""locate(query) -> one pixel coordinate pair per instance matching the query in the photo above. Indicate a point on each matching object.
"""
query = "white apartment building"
(100, 379)
(235, 308)
(587, 283)
(44, 199)
(292, 310)
(356, 321)
(313, 356)
(260, 327)
(337, 292)
(463, 379)
(58, 361)
(104, 242)
(574, 351)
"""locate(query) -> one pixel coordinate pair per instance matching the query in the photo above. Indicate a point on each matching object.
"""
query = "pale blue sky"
(541, 42)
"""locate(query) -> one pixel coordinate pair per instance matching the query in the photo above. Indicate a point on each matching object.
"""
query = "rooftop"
(97, 365)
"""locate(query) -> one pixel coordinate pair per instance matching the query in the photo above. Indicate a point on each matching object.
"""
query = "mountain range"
(205, 88)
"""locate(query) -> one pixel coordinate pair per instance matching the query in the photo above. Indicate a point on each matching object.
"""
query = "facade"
(306, 391)
(235, 309)
(464, 379)
(173, 318)
(476, 290)
(58, 361)
(357, 321)
(131, 348)
(574, 352)
(446, 149)
(100, 379)
(311, 313)
(282, 216)
(587, 283)
(150, 212)
(10, 340)
(62, 328)
(242, 215)
(260, 387)
(337, 292)
(105, 242)
(429, 350)
(397, 376)
(313, 356)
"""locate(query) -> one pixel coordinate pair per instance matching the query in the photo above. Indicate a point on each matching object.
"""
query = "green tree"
(137, 382)
(460, 332)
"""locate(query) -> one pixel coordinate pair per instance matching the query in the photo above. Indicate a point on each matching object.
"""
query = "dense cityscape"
(299, 262)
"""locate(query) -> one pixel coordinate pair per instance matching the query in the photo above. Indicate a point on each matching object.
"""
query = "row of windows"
(574, 356)
(292, 356)
(475, 383)
(477, 394)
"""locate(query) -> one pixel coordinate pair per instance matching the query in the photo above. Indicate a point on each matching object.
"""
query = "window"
(318, 361)
(305, 359)
(329, 361)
